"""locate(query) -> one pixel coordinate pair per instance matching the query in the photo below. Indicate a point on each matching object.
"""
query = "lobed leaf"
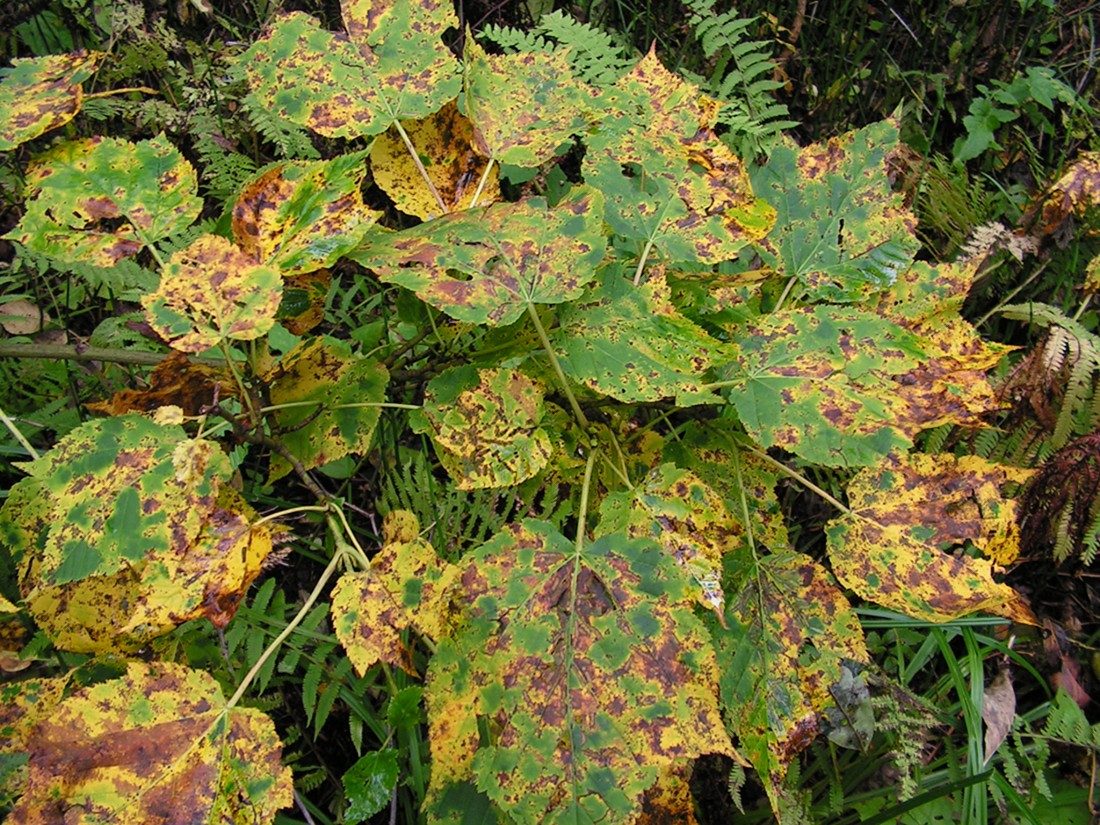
(101, 200)
(632, 344)
(151, 746)
(523, 106)
(391, 65)
(444, 143)
(588, 667)
(38, 94)
(667, 177)
(487, 266)
(328, 403)
(304, 215)
(212, 291)
(842, 231)
(904, 510)
(486, 425)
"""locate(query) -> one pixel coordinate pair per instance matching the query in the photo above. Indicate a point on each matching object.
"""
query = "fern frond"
(291, 141)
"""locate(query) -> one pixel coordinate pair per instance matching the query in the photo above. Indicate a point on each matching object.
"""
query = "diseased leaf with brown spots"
(407, 585)
(177, 382)
(445, 144)
(155, 745)
(667, 177)
(586, 664)
(523, 106)
(328, 403)
(790, 629)
(212, 291)
(38, 94)
(844, 233)
(1074, 193)
(486, 266)
(23, 705)
(631, 343)
(302, 306)
(486, 425)
(391, 65)
(100, 200)
(889, 549)
(683, 515)
(303, 216)
(669, 802)
(820, 381)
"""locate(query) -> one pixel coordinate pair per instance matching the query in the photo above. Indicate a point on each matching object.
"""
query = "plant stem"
(545, 339)
(22, 439)
(76, 352)
(420, 166)
(797, 476)
(481, 184)
(641, 262)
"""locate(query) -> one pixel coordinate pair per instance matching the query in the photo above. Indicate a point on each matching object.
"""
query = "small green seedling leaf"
(38, 94)
(589, 667)
(486, 425)
(369, 784)
(632, 344)
(328, 403)
(149, 745)
(668, 179)
(210, 292)
(523, 106)
(391, 65)
(486, 266)
(445, 145)
(304, 215)
(903, 511)
(845, 232)
(100, 200)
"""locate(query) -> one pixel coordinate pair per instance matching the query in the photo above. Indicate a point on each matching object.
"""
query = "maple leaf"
(587, 666)
(888, 548)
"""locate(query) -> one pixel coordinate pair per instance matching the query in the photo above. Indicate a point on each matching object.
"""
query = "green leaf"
(842, 231)
(100, 200)
(369, 783)
(668, 179)
(790, 630)
(486, 425)
(212, 291)
(328, 403)
(304, 215)
(523, 106)
(820, 382)
(158, 739)
(588, 668)
(486, 266)
(391, 65)
(631, 343)
(38, 94)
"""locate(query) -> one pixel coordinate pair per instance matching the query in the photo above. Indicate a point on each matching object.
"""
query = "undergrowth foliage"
(614, 365)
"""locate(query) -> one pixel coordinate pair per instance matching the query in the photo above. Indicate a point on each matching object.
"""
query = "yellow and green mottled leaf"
(677, 510)
(821, 382)
(100, 200)
(23, 705)
(150, 746)
(486, 266)
(304, 215)
(790, 629)
(905, 511)
(444, 143)
(588, 666)
(391, 65)
(407, 586)
(121, 490)
(632, 344)
(486, 425)
(212, 291)
(328, 403)
(523, 106)
(844, 232)
(667, 177)
(38, 94)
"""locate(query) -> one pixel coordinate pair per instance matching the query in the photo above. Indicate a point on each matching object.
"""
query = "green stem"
(641, 262)
(562, 380)
(392, 405)
(420, 166)
(786, 293)
(246, 397)
(14, 430)
(70, 352)
(797, 476)
(481, 183)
